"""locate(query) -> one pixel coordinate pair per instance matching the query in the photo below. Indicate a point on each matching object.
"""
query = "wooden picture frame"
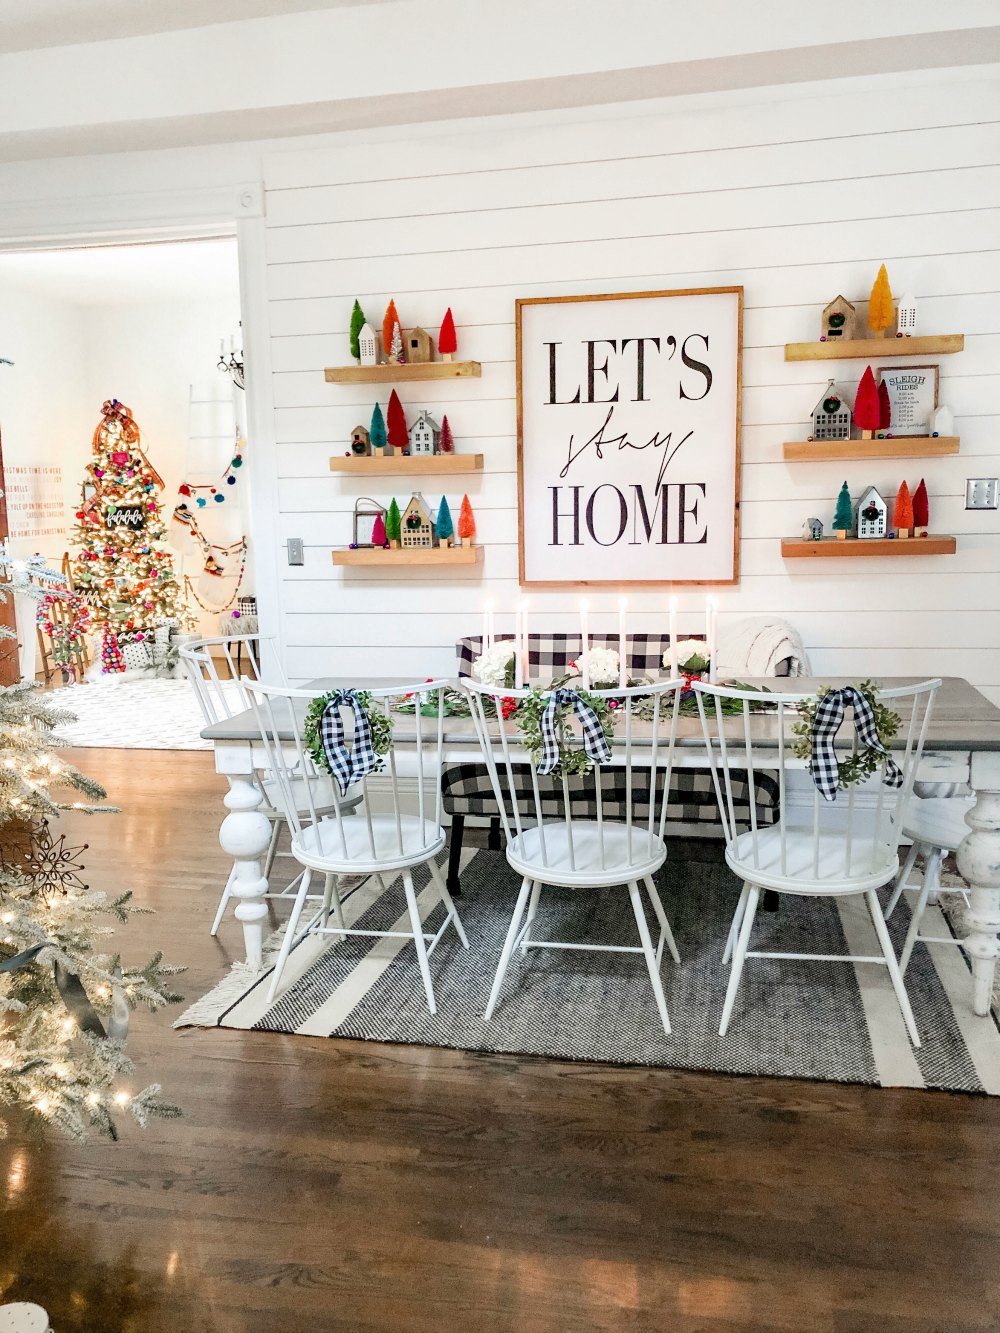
(629, 438)
(913, 396)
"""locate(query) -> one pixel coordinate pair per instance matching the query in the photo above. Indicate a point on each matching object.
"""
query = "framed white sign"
(628, 437)
(913, 396)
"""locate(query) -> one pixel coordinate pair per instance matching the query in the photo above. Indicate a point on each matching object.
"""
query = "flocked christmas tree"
(65, 997)
(124, 566)
(843, 519)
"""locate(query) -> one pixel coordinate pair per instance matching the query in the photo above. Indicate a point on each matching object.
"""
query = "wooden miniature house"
(831, 416)
(425, 435)
(873, 515)
(419, 346)
(361, 444)
(367, 346)
(416, 529)
(906, 317)
(839, 320)
(812, 529)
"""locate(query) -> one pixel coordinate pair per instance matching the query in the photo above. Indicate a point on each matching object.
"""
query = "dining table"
(962, 747)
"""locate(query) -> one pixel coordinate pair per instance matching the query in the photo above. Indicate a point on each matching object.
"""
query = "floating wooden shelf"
(427, 555)
(835, 548)
(396, 374)
(901, 446)
(389, 465)
(940, 345)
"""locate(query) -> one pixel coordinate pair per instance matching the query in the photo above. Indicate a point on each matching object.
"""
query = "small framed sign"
(913, 396)
(132, 517)
(628, 437)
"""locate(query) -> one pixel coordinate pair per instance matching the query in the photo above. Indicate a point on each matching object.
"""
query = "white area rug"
(130, 713)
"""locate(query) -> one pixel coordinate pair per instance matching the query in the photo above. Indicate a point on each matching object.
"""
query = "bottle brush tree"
(466, 520)
(446, 441)
(444, 528)
(378, 532)
(447, 342)
(393, 523)
(388, 324)
(843, 518)
(880, 312)
(902, 514)
(398, 435)
(376, 434)
(867, 411)
(357, 324)
(884, 406)
(921, 509)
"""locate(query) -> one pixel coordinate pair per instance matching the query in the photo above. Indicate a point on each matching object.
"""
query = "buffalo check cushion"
(467, 790)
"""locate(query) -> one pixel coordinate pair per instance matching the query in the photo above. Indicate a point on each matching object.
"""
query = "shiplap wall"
(797, 197)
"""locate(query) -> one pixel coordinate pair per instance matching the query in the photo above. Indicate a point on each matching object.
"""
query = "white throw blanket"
(757, 645)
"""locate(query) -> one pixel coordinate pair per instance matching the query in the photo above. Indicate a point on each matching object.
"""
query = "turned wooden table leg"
(246, 834)
(978, 858)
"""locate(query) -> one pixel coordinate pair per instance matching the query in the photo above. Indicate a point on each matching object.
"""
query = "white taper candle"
(622, 644)
(713, 645)
(585, 645)
(674, 662)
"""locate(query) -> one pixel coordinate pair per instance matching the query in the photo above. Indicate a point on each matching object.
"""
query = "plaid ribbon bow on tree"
(595, 743)
(829, 716)
(347, 766)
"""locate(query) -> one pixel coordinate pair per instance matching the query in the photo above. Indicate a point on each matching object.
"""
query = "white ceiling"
(27, 25)
(126, 274)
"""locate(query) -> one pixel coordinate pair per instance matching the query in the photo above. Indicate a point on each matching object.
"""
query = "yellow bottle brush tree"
(880, 312)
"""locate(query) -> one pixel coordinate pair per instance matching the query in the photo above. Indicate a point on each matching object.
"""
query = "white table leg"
(246, 835)
(978, 858)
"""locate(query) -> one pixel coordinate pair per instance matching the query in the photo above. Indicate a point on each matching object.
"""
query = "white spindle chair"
(375, 844)
(828, 849)
(214, 668)
(568, 852)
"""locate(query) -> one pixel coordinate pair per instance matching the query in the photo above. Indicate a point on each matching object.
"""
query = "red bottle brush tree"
(378, 532)
(466, 521)
(388, 326)
(921, 513)
(902, 514)
(447, 342)
(446, 442)
(884, 406)
(867, 409)
(398, 435)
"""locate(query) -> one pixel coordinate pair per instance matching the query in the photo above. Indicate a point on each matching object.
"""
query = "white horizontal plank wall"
(798, 196)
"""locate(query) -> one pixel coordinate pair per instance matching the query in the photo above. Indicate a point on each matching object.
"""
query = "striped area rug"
(833, 1021)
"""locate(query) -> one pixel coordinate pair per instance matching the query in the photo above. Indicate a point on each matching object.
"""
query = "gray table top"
(963, 719)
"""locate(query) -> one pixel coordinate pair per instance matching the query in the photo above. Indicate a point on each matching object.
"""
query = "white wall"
(797, 196)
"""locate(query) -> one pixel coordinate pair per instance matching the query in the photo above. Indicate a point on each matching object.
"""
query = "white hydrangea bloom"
(686, 649)
(602, 663)
(491, 667)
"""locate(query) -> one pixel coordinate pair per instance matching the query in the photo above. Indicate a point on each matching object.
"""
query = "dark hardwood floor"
(333, 1185)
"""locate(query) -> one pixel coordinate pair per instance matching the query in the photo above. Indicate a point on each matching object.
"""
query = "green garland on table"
(380, 723)
(573, 758)
(866, 762)
(454, 704)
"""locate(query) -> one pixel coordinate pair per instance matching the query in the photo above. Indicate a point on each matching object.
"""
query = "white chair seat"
(620, 864)
(321, 788)
(938, 821)
(346, 849)
(872, 866)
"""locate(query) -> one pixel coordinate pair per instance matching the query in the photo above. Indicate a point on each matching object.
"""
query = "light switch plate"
(296, 554)
(982, 493)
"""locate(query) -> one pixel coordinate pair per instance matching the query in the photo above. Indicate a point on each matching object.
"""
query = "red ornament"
(184, 489)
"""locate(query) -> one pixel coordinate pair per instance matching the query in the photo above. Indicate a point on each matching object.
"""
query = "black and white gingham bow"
(594, 740)
(829, 716)
(347, 766)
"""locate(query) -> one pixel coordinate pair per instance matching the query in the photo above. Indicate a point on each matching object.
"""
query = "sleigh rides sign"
(628, 436)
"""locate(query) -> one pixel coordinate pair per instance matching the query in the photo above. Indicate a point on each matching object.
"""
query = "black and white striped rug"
(832, 1021)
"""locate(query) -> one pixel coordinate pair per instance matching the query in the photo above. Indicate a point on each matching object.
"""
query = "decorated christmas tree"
(466, 521)
(65, 997)
(447, 342)
(444, 528)
(124, 566)
(867, 410)
(843, 519)
(880, 312)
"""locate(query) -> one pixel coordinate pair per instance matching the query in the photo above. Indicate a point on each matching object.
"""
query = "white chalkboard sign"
(628, 435)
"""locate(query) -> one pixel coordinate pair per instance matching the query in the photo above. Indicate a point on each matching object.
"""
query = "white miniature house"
(416, 528)
(873, 515)
(831, 416)
(367, 346)
(425, 433)
(906, 317)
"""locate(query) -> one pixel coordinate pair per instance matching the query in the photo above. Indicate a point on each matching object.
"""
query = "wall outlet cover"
(296, 553)
(982, 493)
